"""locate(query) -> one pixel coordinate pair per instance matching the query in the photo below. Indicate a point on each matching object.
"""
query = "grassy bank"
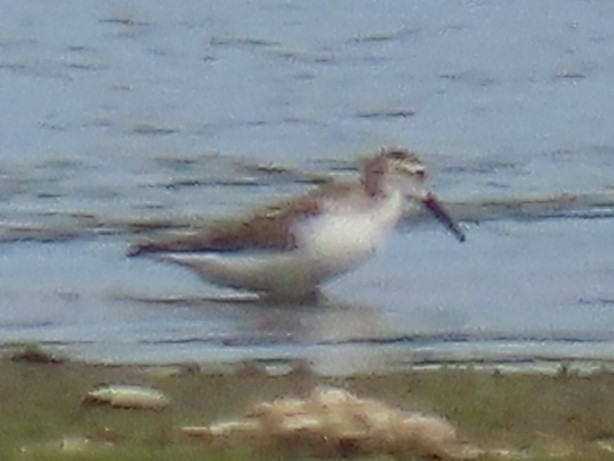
(529, 415)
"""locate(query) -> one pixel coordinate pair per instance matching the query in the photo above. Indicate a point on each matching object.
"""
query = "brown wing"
(267, 230)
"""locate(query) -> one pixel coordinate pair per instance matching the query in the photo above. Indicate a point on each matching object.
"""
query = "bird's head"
(396, 169)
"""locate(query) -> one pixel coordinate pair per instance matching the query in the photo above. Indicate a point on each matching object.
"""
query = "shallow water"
(127, 121)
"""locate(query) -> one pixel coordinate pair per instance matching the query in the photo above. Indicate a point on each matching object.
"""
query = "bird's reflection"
(335, 336)
(250, 322)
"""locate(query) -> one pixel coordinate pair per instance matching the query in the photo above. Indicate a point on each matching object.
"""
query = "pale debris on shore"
(127, 396)
(334, 422)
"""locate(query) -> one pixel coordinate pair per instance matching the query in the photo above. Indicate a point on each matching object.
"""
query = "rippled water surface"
(123, 121)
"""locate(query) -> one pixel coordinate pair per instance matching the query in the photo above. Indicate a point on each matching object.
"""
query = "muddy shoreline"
(527, 415)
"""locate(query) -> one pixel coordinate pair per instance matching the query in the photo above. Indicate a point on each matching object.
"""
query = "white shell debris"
(127, 396)
(334, 422)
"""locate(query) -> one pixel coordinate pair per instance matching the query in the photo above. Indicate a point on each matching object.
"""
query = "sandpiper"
(287, 251)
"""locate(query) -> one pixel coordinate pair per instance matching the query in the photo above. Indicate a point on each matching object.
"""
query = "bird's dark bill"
(436, 208)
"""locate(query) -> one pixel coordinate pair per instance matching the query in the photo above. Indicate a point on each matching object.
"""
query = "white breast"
(338, 241)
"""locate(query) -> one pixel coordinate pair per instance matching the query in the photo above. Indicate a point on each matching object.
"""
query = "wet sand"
(526, 415)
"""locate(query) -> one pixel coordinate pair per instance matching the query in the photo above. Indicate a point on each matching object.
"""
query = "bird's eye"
(420, 174)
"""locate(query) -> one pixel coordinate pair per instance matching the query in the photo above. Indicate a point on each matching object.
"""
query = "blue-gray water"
(120, 119)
